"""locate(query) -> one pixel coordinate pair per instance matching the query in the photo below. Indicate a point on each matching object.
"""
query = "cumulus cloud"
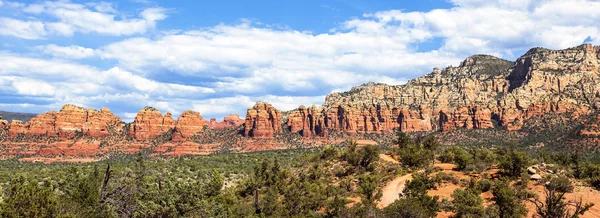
(67, 52)
(225, 68)
(22, 29)
(64, 82)
(68, 18)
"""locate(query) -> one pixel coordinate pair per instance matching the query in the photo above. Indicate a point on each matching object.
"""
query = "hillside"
(10, 116)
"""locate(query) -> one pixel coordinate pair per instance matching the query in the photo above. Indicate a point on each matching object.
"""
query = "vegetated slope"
(10, 116)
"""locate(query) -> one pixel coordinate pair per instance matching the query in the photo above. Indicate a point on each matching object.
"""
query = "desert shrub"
(403, 139)
(462, 159)
(484, 185)
(447, 155)
(29, 199)
(524, 180)
(423, 207)
(443, 177)
(467, 203)
(555, 205)
(369, 189)
(419, 185)
(513, 163)
(363, 157)
(507, 201)
(329, 152)
(560, 184)
(595, 182)
(415, 156)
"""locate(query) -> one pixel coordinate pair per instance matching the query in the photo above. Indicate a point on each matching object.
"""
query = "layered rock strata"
(482, 92)
(67, 122)
(263, 121)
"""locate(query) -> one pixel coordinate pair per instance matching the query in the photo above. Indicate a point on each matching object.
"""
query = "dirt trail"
(392, 190)
(388, 158)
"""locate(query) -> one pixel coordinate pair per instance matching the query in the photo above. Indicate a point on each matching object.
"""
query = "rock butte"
(482, 92)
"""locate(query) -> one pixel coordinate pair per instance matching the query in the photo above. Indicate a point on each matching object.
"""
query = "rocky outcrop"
(229, 121)
(263, 121)
(68, 122)
(188, 124)
(307, 122)
(3, 123)
(149, 123)
(482, 92)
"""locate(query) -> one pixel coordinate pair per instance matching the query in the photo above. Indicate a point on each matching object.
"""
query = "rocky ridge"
(482, 92)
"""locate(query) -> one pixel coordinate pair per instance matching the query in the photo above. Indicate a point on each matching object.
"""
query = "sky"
(220, 57)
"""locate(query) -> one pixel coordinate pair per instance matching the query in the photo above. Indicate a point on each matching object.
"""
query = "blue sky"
(219, 57)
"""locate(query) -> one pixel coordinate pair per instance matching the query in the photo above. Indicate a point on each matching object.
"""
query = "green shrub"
(560, 184)
(484, 185)
(467, 203)
(595, 182)
(513, 163)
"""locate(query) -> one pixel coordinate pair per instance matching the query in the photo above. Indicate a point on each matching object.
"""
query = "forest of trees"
(320, 182)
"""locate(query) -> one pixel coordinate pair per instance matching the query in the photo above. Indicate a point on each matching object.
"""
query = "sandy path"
(388, 158)
(392, 190)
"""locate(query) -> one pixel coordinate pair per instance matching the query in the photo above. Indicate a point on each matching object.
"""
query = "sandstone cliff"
(482, 92)
(67, 122)
(263, 121)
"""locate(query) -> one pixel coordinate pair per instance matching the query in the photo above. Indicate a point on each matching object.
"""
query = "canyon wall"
(482, 92)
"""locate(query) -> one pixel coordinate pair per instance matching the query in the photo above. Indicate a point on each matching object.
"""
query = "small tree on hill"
(507, 200)
(555, 206)
(403, 139)
(513, 163)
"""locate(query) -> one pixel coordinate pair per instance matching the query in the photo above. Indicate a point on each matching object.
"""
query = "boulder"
(531, 170)
(536, 177)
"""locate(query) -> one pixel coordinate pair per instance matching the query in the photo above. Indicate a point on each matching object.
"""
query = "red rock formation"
(466, 117)
(16, 127)
(3, 123)
(307, 122)
(262, 121)
(149, 123)
(229, 121)
(99, 123)
(67, 122)
(188, 124)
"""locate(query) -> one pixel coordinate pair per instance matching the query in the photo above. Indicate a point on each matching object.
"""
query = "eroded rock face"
(483, 91)
(188, 124)
(307, 121)
(263, 121)
(69, 121)
(229, 121)
(149, 123)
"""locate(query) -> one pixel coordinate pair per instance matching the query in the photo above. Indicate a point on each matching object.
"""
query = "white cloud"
(239, 64)
(63, 82)
(255, 60)
(22, 29)
(25, 86)
(68, 18)
(68, 52)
